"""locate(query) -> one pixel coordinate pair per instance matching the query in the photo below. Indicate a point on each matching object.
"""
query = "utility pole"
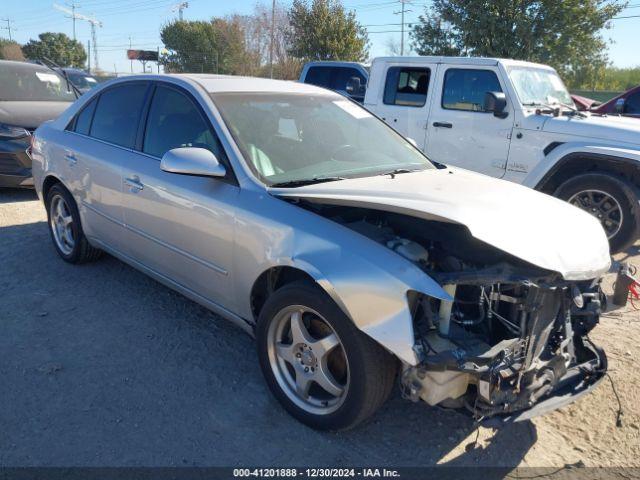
(89, 56)
(72, 5)
(94, 23)
(273, 33)
(8, 27)
(402, 11)
(131, 47)
(180, 8)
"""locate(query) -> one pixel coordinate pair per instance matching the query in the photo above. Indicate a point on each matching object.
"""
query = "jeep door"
(459, 131)
(180, 226)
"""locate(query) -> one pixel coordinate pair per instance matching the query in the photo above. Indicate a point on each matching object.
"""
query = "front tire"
(611, 200)
(65, 227)
(321, 368)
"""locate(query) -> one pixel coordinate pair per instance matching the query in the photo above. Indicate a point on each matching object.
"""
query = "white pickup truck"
(516, 121)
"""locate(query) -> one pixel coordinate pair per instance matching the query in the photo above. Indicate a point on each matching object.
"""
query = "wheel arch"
(49, 181)
(576, 163)
(271, 280)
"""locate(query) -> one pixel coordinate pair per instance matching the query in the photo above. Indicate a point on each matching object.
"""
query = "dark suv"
(29, 95)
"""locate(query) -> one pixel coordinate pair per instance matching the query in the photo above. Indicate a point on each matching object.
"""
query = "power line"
(8, 27)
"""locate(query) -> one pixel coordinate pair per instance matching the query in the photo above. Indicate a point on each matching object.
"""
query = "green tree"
(58, 48)
(564, 34)
(323, 30)
(10, 50)
(215, 46)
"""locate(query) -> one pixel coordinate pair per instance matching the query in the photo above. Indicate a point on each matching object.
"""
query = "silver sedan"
(355, 261)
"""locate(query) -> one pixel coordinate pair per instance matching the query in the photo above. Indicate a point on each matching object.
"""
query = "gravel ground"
(102, 366)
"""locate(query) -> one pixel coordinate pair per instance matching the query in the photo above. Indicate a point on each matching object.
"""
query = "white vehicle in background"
(516, 121)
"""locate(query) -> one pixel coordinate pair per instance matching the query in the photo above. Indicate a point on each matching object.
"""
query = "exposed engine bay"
(514, 336)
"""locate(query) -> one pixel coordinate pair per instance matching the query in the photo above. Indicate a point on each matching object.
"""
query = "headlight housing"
(11, 132)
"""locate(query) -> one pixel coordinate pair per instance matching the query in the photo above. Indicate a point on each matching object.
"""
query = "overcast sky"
(139, 21)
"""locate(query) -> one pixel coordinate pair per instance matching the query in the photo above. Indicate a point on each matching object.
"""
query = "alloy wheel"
(602, 206)
(308, 360)
(61, 222)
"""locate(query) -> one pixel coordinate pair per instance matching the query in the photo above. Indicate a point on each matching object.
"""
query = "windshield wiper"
(396, 171)
(305, 181)
(555, 109)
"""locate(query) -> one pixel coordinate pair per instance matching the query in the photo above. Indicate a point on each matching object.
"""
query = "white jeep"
(516, 121)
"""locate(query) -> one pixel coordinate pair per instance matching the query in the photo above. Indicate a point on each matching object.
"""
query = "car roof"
(229, 84)
(24, 65)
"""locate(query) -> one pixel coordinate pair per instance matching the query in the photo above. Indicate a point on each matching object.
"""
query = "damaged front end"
(502, 348)
(512, 342)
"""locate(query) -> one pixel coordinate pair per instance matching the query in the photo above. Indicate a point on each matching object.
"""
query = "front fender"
(367, 281)
(553, 161)
(372, 295)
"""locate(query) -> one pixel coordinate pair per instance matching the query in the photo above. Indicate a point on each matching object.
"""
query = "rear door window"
(464, 89)
(406, 86)
(117, 114)
(175, 121)
(320, 76)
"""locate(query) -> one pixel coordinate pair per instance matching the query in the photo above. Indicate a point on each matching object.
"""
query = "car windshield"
(26, 82)
(82, 81)
(539, 86)
(290, 137)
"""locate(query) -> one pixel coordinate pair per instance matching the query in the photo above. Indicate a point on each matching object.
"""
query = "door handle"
(134, 183)
(70, 157)
(443, 124)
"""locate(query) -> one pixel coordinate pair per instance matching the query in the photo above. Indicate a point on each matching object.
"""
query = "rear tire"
(610, 199)
(65, 227)
(360, 369)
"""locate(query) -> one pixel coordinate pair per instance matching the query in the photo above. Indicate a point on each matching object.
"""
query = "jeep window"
(538, 86)
(464, 89)
(406, 86)
(288, 137)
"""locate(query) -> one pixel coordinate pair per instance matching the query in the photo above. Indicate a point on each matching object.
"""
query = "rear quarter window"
(83, 120)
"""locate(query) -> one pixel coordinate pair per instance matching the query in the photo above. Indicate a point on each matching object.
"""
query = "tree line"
(565, 34)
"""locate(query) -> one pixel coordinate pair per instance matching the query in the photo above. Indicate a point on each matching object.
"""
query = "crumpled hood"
(609, 128)
(30, 114)
(532, 226)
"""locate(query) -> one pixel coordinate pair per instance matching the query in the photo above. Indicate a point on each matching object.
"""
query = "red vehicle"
(584, 103)
(626, 104)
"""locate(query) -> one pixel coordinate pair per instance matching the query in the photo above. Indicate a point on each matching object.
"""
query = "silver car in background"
(355, 261)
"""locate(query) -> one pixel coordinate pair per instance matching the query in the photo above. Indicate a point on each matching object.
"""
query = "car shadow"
(109, 368)
(13, 195)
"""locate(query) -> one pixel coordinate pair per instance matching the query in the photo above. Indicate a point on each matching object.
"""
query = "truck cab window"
(320, 76)
(464, 89)
(406, 86)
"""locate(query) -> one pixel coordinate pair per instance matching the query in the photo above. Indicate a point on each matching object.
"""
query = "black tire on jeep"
(609, 198)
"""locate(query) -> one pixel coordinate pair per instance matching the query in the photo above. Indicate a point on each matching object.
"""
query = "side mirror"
(354, 86)
(192, 161)
(496, 102)
(619, 106)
